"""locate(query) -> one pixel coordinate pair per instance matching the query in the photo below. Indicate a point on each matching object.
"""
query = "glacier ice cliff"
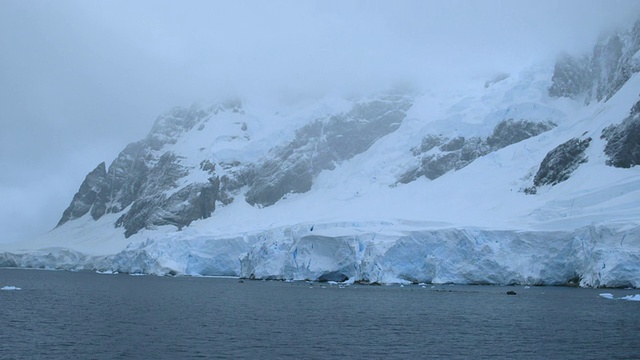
(589, 256)
(592, 256)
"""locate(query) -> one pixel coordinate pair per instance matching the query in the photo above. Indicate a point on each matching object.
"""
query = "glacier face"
(589, 256)
(514, 181)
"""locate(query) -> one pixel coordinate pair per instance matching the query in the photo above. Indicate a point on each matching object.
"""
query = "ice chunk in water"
(8, 287)
(609, 296)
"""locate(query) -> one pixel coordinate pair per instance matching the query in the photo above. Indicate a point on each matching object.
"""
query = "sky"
(81, 79)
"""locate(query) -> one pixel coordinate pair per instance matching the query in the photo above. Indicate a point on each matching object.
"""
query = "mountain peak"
(599, 75)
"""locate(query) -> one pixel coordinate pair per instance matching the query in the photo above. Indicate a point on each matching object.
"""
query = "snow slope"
(475, 224)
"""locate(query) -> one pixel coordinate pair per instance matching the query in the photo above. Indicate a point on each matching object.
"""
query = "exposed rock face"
(428, 142)
(127, 174)
(156, 205)
(600, 75)
(321, 145)
(558, 165)
(459, 152)
(513, 131)
(571, 77)
(168, 127)
(143, 180)
(88, 194)
(623, 140)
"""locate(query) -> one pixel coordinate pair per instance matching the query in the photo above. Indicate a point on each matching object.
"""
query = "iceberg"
(10, 288)
(610, 296)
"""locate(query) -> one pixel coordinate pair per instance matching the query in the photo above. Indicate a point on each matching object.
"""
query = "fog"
(81, 79)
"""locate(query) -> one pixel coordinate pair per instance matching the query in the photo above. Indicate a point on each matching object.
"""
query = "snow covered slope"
(523, 178)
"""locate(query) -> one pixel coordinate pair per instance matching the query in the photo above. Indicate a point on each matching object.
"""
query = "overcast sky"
(81, 79)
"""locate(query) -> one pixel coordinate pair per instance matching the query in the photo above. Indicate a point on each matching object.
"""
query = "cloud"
(81, 79)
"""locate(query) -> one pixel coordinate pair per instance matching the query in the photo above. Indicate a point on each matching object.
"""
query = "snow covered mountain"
(527, 178)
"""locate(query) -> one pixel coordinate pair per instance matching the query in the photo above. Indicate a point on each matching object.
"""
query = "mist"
(81, 79)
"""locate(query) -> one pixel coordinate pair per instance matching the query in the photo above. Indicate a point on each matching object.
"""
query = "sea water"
(84, 315)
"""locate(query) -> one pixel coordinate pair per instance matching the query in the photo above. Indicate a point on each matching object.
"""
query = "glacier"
(506, 181)
(383, 252)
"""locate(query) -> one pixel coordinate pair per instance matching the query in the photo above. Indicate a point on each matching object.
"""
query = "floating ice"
(106, 272)
(609, 296)
(10, 288)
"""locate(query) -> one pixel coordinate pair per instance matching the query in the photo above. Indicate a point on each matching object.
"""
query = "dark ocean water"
(83, 315)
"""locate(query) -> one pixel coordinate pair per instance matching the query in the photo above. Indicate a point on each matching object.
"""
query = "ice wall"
(590, 256)
(594, 256)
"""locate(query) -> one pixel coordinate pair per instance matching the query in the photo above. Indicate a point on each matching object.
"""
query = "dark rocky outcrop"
(127, 174)
(193, 202)
(162, 202)
(456, 153)
(511, 131)
(168, 127)
(571, 77)
(91, 190)
(143, 180)
(601, 74)
(321, 145)
(559, 163)
(428, 142)
(434, 166)
(623, 140)
(454, 144)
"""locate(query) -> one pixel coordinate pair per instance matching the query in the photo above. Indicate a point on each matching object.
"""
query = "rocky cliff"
(598, 76)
